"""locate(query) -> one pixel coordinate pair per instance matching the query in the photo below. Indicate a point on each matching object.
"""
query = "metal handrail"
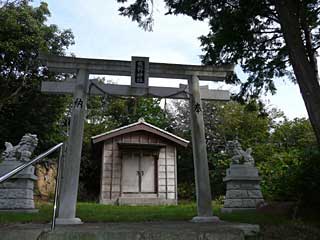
(23, 166)
(57, 190)
(36, 159)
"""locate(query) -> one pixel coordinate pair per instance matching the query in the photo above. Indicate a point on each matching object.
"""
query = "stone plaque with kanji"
(140, 72)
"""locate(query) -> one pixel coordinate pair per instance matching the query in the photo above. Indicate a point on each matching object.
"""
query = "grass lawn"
(93, 212)
(273, 226)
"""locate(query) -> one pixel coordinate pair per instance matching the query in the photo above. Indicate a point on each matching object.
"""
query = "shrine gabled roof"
(141, 125)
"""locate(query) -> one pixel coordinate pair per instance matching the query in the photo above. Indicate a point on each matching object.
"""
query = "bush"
(279, 176)
(218, 164)
(292, 176)
(308, 184)
(186, 191)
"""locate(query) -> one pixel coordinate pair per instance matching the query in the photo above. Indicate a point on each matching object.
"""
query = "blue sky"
(101, 33)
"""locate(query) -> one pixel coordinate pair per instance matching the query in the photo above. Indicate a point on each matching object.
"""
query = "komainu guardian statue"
(242, 180)
(21, 152)
(238, 155)
(17, 193)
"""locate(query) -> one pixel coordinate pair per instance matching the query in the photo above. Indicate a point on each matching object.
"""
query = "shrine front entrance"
(139, 165)
(138, 173)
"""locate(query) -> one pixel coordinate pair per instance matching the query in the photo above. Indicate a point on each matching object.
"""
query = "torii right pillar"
(201, 169)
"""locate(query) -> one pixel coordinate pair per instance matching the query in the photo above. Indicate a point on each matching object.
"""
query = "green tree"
(269, 39)
(290, 170)
(293, 134)
(23, 34)
(126, 111)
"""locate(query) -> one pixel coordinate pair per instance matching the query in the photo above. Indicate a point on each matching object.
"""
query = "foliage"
(90, 170)
(218, 164)
(284, 150)
(248, 123)
(295, 134)
(308, 184)
(187, 191)
(292, 176)
(23, 34)
(290, 170)
(279, 176)
(127, 111)
(245, 32)
(269, 39)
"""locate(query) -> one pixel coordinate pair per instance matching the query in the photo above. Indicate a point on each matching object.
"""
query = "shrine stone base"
(243, 188)
(175, 230)
(68, 221)
(212, 219)
(16, 194)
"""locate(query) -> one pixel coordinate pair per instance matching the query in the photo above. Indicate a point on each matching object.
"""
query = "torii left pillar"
(71, 165)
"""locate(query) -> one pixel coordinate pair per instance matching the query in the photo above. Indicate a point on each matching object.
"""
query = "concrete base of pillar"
(198, 219)
(68, 221)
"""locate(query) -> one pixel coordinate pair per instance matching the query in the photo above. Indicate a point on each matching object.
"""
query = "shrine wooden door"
(138, 173)
(130, 169)
(147, 171)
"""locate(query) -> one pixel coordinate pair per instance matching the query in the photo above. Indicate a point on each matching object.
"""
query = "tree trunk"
(304, 69)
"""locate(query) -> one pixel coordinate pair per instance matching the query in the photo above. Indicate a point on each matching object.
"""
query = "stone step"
(139, 195)
(134, 231)
(144, 201)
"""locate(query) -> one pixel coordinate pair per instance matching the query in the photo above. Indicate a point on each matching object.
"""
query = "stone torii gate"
(140, 69)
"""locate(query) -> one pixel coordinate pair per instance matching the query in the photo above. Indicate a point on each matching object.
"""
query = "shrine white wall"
(111, 172)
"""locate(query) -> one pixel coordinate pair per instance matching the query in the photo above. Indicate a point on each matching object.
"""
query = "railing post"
(57, 188)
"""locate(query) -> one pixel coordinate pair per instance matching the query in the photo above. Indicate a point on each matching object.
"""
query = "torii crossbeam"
(140, 69)
(123, 68)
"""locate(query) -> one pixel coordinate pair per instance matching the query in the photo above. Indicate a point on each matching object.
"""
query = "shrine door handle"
(140, 173)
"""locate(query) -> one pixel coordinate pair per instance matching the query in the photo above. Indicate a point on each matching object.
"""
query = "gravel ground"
(296, 231)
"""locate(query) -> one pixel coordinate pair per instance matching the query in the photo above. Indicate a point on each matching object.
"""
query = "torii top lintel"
(123, 68)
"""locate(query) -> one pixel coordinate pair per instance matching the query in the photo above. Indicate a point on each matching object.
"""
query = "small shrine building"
(139, 165)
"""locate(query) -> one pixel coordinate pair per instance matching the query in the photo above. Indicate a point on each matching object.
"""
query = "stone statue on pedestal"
(242, 179)
(21, 152)
(17, 192)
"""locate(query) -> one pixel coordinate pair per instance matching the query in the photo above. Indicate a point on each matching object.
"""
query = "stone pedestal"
(17, 192)
(243, 188)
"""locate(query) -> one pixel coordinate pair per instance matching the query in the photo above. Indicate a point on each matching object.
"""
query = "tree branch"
(6, 3)
(307, 37)
(266, 32)
(274, 37)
